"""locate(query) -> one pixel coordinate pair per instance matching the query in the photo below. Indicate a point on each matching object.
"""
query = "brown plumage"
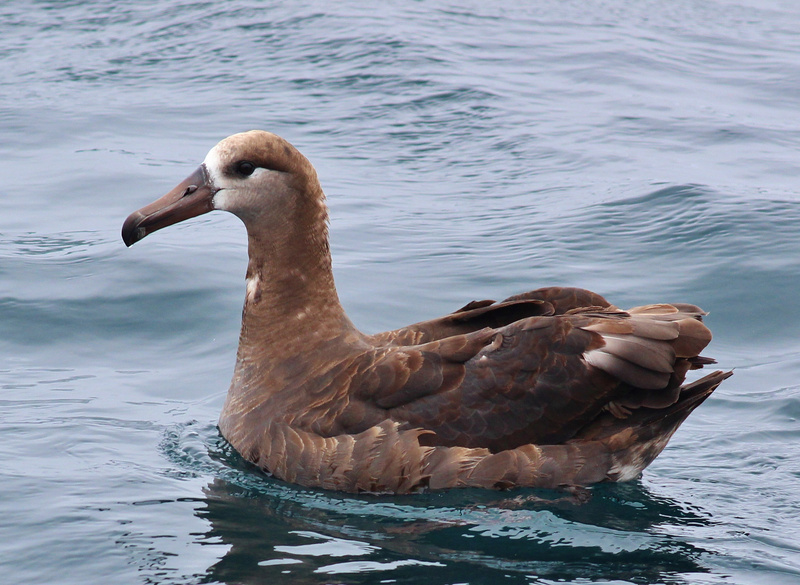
(554, 387)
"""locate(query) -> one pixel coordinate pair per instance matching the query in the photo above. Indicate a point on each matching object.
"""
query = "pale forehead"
(213, 161)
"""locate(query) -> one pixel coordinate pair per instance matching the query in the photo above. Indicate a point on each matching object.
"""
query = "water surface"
(648, 151)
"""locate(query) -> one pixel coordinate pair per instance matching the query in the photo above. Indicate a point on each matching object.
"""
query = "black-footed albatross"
(553, 387)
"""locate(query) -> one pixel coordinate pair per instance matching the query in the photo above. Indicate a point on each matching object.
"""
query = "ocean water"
(649, 151)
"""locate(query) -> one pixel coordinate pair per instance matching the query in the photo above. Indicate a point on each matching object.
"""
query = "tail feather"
(634, 442)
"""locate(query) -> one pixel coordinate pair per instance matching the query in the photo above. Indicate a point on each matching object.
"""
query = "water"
(646, 150)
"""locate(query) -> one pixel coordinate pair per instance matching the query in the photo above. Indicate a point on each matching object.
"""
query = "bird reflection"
(613, 532)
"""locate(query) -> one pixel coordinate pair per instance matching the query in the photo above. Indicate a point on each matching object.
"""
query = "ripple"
(644, 150)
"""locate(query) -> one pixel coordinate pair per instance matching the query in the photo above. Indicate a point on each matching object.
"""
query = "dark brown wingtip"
(692, 395)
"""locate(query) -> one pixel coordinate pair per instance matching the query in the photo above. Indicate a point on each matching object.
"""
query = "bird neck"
(293, 328)
(290, 291)
(292, 322)
(291, 298)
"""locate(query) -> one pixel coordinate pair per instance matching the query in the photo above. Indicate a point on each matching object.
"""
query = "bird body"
(553, 387)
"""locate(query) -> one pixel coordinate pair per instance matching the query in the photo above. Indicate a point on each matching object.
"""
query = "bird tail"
(635, 441)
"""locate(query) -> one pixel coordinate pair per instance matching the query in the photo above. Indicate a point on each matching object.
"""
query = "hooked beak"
(190, 198)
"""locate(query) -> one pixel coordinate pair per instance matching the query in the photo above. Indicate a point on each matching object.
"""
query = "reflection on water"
(604, 538)
(271, 528)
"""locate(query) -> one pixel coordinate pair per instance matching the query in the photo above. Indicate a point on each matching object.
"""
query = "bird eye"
(245, 168)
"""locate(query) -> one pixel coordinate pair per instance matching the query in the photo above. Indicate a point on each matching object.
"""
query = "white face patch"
(214, 164)
(233, 192)
(213, 167)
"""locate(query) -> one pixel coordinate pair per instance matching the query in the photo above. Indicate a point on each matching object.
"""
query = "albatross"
(550, 388)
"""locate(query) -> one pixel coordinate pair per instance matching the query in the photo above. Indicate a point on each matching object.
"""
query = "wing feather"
(538, 380)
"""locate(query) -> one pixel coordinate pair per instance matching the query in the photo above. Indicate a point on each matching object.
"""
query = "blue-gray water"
(647, 150)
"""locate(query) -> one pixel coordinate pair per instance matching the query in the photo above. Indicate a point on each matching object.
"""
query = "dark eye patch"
(245, 168)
